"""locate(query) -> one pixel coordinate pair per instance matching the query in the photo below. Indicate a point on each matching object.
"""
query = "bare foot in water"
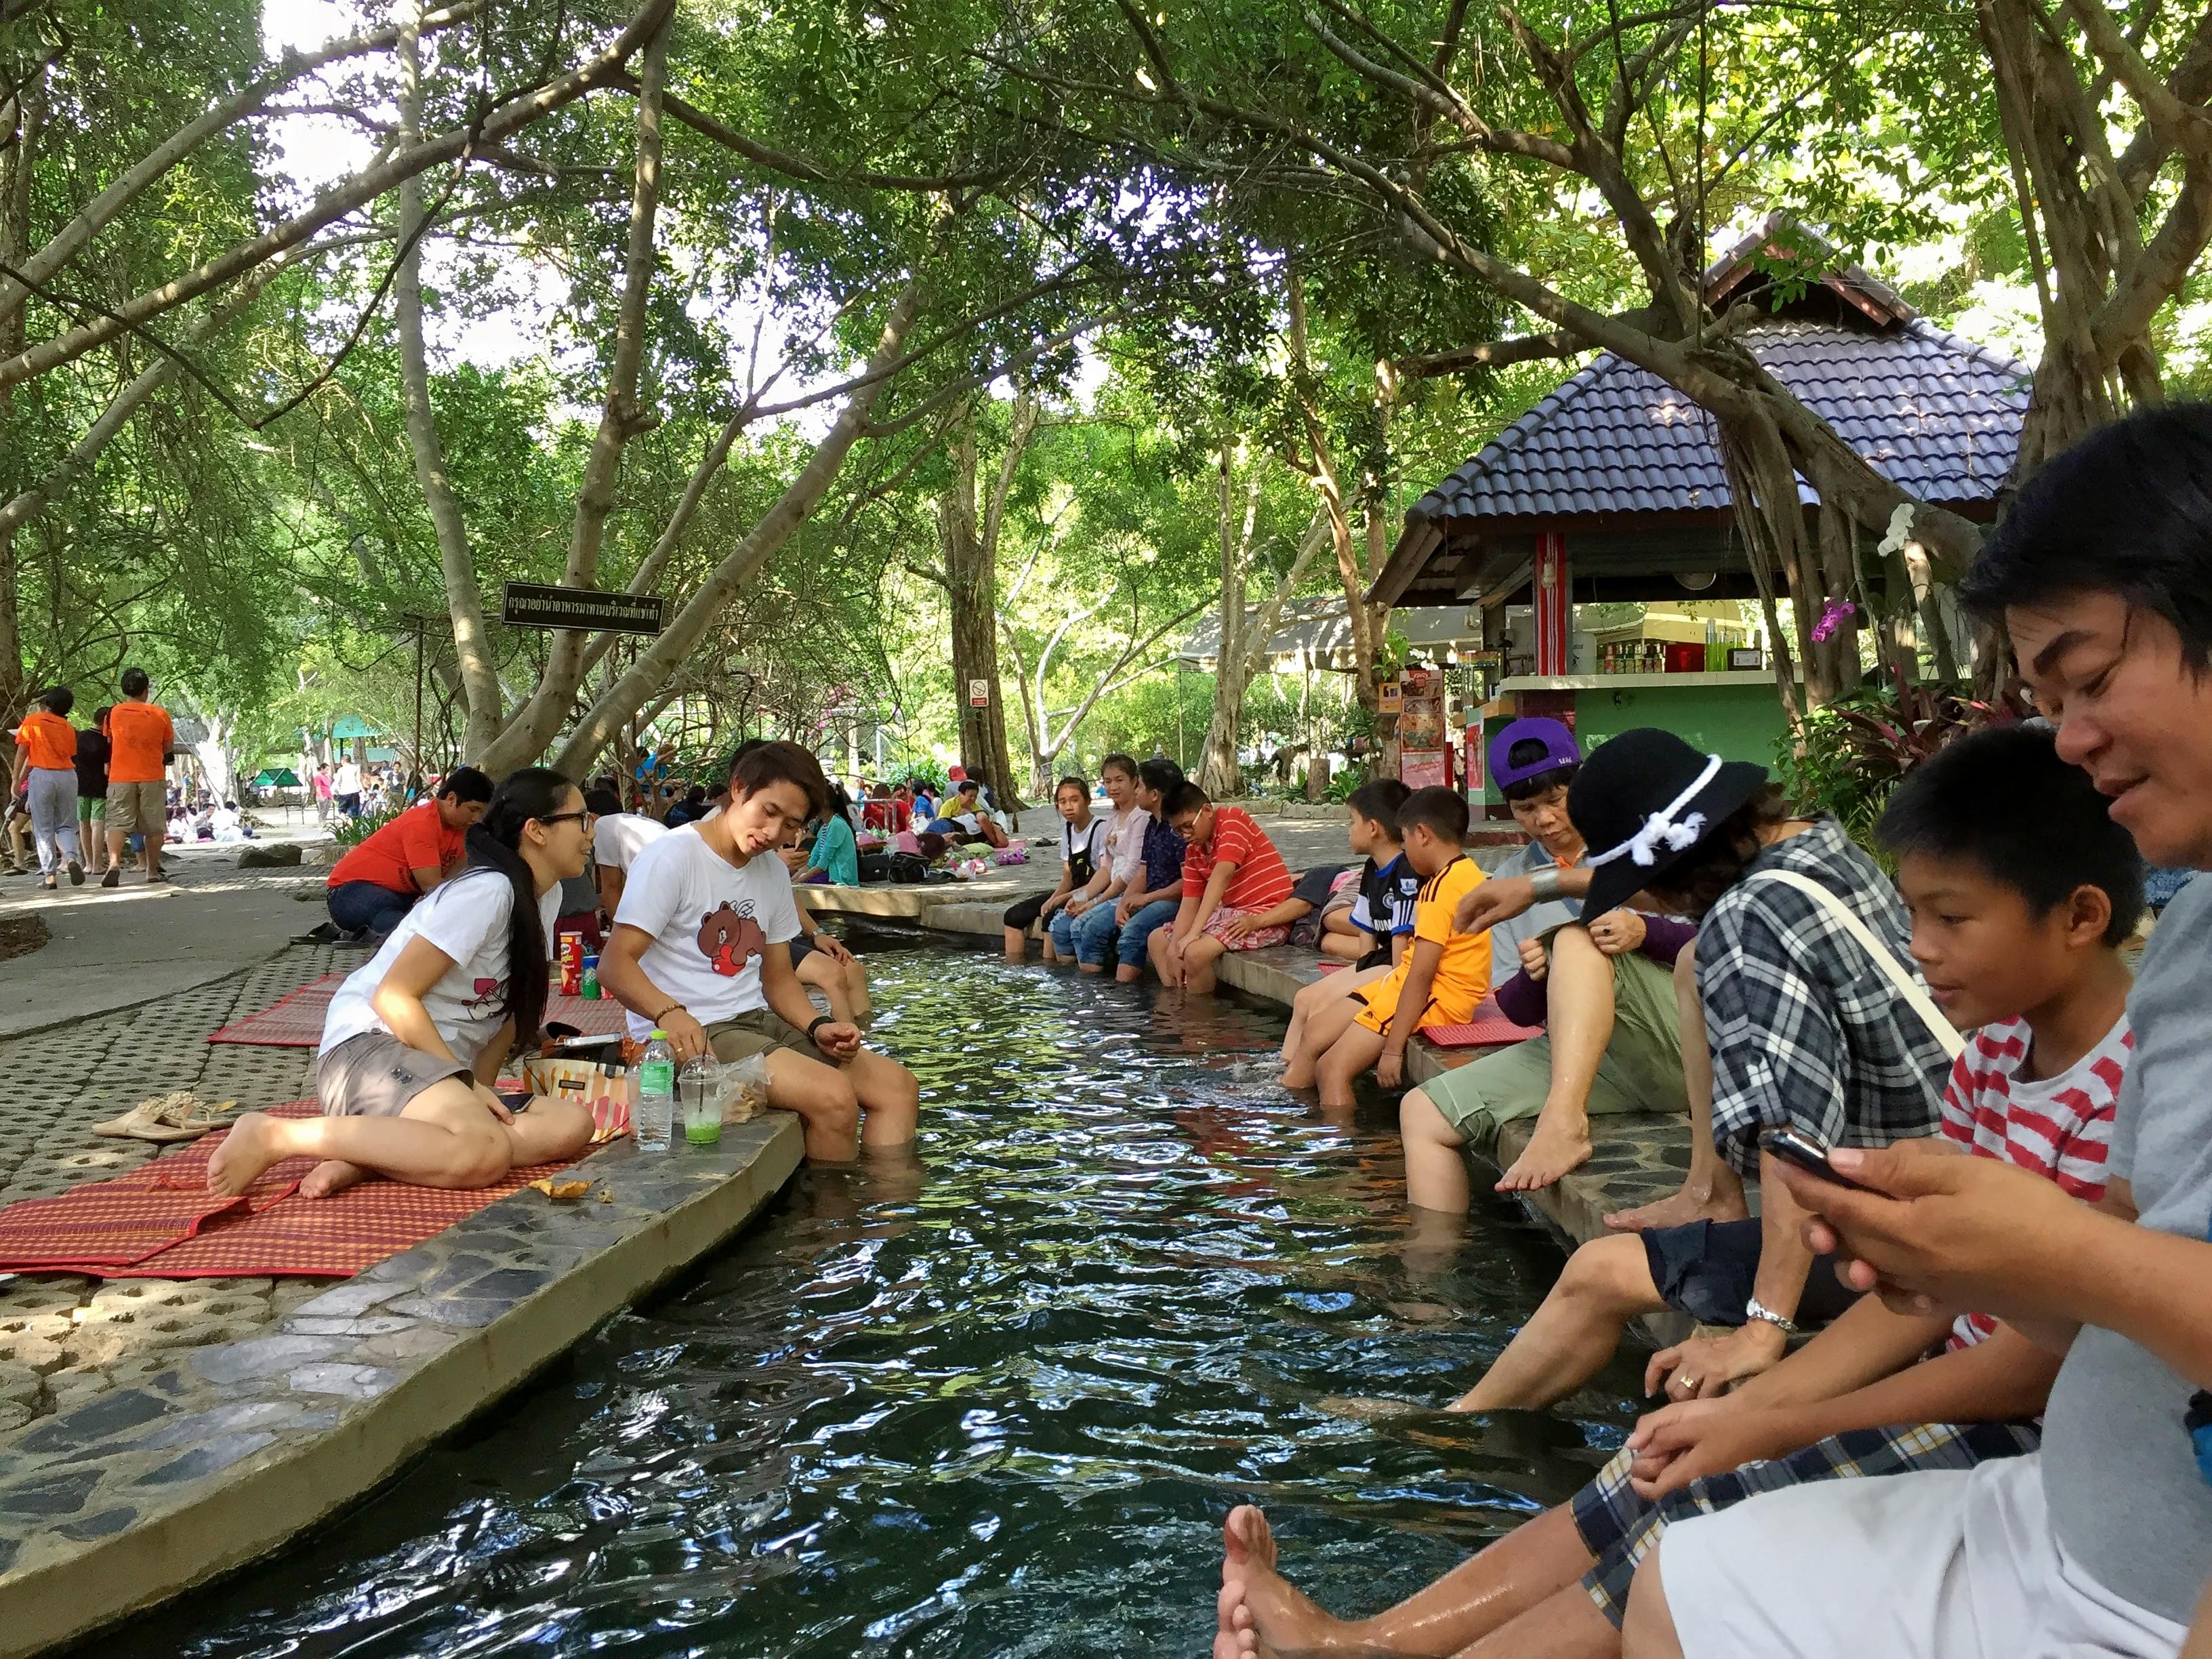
(332, 1174)
(1678, 1210)
(1258, 1615)
(1552, 1151)
(252, 1144)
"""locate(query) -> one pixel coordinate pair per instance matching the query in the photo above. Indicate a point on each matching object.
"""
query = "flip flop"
(164, 1119)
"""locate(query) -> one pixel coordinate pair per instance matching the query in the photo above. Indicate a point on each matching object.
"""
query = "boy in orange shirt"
(45, 761)
(1438, 983)
(140, 739)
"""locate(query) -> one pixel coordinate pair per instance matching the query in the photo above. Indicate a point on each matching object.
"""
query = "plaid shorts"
(1216, 927)
(1620, 1528)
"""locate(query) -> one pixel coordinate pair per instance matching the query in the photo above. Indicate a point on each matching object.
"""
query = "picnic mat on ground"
(296, 1021)
(161, 1222)
(1488, 1028)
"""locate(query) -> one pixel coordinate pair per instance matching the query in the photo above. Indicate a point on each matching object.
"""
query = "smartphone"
(1807, 1154)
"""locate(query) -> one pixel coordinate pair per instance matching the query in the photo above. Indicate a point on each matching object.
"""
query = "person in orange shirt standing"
(45, 757)
(140, 740)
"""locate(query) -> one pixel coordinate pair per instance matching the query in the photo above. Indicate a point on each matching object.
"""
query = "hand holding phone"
(1807, 1154)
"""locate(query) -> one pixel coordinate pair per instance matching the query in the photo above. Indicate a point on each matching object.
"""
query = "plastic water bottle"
(655, 1124)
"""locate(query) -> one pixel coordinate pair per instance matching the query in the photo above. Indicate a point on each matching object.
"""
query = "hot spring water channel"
(993, 1402)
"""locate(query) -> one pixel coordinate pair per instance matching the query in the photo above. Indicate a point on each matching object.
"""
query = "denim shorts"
(1062, 928)
(1705, 1269)
(1141, 927)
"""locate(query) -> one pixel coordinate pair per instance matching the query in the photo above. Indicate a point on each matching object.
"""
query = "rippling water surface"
(993, 1402)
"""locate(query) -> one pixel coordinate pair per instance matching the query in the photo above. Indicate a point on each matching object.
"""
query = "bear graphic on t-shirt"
(729, 940)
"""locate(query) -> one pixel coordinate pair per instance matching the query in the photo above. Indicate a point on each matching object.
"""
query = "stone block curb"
(113, 1506)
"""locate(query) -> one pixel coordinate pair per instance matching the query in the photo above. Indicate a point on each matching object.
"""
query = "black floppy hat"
(1642, 803)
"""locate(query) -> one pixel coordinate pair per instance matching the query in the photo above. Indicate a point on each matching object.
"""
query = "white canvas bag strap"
(1908, 985)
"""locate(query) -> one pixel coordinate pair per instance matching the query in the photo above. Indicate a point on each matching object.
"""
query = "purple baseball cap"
(1560, 751)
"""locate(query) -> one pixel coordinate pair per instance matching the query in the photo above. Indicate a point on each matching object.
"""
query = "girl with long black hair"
(416, 1037)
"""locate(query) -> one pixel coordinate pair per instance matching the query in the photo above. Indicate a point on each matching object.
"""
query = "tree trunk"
(1218, 770)
(658, 663)
(968, 540)
(464, 598)
(17, 162)
(620, 419)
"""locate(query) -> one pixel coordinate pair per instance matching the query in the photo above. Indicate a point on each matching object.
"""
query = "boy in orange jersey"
(1440, 982)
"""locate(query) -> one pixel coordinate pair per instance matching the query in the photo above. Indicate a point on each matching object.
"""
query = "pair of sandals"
(168, 1118)
(75, 876)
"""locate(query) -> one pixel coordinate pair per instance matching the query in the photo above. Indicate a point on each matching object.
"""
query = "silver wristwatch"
(1544, 884)
(1755, 1308)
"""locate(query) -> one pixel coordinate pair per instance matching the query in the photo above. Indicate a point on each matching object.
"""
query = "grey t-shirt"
(2119, 1472)
(1506, 936)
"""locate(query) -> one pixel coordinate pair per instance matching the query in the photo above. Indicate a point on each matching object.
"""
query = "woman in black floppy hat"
(1794, 1015)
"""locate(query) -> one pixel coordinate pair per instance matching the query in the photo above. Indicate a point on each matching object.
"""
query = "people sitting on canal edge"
(373, 886)
(701, 951)
(1089, 924)
(1605, 993)
(1082, 856)
(415, 1035)
(1440, 980)
(2098, 1542)
(1230, 872)
(2021, 890)
(1152, 899)
(1799, 1007)
(1378, 924)
(821, 959)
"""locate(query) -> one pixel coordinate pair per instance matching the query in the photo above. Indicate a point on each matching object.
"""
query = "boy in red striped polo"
(1230, 872)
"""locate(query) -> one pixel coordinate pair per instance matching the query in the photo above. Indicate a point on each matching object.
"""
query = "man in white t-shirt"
(701, 950)
(617, 838)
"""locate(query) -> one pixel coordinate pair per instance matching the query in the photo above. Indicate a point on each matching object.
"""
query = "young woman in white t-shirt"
(416, 1037)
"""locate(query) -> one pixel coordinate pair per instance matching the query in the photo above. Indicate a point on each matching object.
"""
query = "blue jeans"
(1090, 936)
(1141, 927)
(363, 907)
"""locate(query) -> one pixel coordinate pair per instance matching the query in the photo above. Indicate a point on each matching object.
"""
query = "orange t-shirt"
(139, 735)
(51, 740)
(416, 840)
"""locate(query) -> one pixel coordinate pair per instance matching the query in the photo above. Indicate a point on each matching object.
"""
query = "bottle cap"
(657, 1036)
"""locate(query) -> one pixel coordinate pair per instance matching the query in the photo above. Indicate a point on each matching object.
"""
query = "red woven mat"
(161, 1222)
(296, 1022)
(1488, 1028)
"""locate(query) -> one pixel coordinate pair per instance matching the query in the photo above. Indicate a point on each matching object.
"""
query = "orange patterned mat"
(161, 1222)
(296, 1021)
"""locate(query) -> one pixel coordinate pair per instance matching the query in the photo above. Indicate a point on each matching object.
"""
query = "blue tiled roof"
(1938, 414)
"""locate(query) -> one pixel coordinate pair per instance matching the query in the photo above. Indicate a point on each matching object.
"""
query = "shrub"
(351, 832)
(1850, 756)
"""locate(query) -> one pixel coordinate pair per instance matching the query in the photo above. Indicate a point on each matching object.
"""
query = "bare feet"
(1678, 1210)
(1552, 1151)
(251, 1145)
(1258, 1615)
(332, 1174)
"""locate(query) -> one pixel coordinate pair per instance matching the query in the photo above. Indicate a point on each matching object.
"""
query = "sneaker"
(77, 873)
(112, 878)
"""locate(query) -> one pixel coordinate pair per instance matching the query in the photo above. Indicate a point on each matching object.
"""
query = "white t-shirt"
(709, 920)
(349, 780)
(619, 837)
(1090, 840)
(467, 919)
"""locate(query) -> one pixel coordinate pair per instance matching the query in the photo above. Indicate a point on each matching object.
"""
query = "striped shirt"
(1262, 881)
(2056, 1128)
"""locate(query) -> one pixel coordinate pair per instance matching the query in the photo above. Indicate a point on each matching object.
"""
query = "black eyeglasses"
(566, 818)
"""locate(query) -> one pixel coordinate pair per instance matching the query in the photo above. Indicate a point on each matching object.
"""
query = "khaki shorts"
(1641, 1071)
(374, 1074)
(138, 809)
(759, 1031)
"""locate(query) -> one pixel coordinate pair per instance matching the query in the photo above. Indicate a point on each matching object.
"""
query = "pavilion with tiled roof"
(1623, 473)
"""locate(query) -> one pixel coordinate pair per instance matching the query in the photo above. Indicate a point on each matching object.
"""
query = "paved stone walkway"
(63, 1339)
